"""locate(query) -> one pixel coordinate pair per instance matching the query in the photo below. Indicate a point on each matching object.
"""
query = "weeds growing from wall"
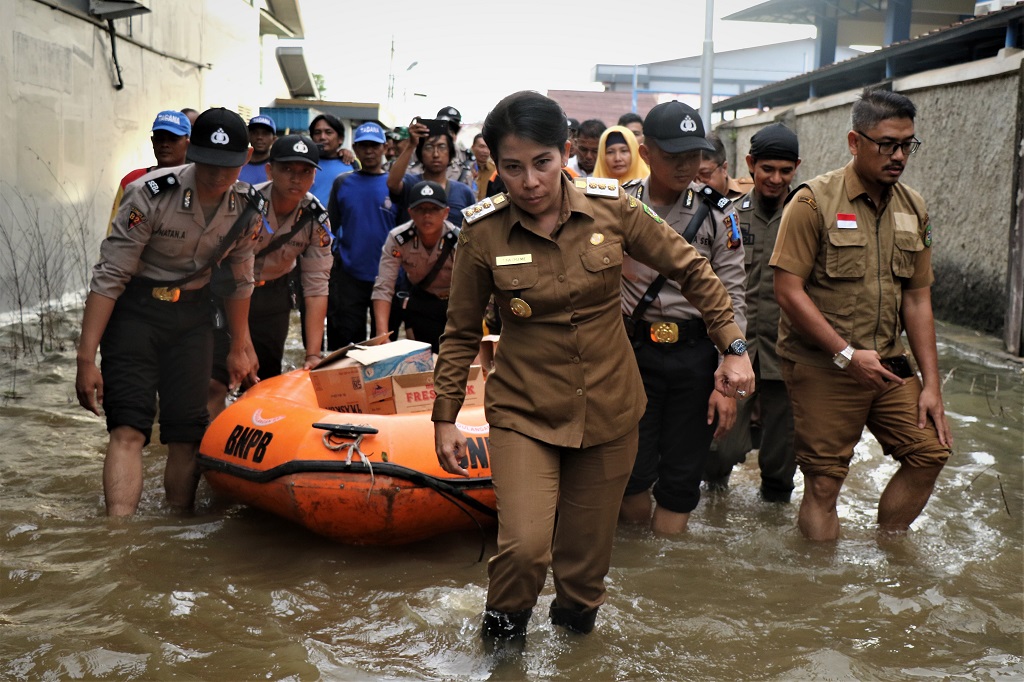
(46, 251)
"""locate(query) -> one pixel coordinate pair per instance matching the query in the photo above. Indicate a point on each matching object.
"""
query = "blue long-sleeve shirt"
(361, 214)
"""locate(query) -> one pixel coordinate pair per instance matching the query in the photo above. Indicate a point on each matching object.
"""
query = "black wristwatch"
(737, 347)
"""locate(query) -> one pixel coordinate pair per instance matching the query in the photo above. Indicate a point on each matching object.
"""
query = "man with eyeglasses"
(714, 170)
(852, 269)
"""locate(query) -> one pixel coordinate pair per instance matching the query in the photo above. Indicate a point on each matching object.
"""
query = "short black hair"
(592, 127)
(876, 105)
(477, 137)
(331, 121)
(423, 141)
(718, 156)
(630, 117)
(529, 115)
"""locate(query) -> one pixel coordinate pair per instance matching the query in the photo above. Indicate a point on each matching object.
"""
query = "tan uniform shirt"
(856, 260)
(483, 176)
(711, 241)
(312, 243)
(760, 230)
(564, 370)
(160, 234)
(403, 249)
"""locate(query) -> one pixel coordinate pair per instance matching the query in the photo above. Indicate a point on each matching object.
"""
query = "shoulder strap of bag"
(689, 234)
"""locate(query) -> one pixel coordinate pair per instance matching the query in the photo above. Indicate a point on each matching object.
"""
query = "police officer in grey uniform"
(295, 228)
(149, 309)
(425, 248)
(773, 160)
(676, 358)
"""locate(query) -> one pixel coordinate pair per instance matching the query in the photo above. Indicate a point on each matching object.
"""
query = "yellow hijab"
(638, 170)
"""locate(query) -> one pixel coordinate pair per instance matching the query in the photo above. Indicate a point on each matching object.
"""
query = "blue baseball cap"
(263, 120)
(174, 122)
(369, 132)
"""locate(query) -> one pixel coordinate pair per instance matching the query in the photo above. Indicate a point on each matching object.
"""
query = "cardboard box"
(407, 393)
(348, 380)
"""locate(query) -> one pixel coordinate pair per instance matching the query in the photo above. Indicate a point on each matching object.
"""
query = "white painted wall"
(67, 136)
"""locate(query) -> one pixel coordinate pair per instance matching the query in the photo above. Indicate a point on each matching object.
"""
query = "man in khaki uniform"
(296, 235)
(773, 160)
(676, 358)
(714, 170)
(564, 398)
(424, 248)
(149, 303)
(852, 269)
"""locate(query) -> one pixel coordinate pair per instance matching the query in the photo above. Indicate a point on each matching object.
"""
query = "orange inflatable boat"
(361, 479)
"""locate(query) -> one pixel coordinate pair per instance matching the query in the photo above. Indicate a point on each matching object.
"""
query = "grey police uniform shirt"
(312, 243)
(711, 241)
(403, 249)
(159, 233)
(760, 230)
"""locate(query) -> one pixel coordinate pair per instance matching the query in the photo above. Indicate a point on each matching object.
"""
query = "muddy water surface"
(235, 594)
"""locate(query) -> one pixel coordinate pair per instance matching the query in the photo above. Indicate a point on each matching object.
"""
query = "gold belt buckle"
(168, 295)
(664, 332)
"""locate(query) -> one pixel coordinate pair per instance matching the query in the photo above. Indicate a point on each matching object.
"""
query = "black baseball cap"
(219, 138)
(676, 127)
(427, 192)
(450, 114)
(295, 148)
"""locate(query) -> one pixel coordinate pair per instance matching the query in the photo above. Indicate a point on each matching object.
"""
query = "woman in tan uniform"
(565, 396)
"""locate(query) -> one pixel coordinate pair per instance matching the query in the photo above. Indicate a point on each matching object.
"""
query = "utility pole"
(707, 65)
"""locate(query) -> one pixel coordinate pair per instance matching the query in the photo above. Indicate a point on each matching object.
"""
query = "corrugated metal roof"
(965, 41)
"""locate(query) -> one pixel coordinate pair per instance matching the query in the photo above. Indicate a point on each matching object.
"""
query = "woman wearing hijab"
(618, 156)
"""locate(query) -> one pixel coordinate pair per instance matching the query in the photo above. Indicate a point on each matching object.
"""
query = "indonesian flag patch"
(846, 221)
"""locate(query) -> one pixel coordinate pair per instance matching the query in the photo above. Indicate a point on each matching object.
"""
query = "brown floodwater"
(236, 594)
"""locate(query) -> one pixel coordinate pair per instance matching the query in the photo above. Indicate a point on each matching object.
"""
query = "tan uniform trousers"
(830, 411)
(535, 483)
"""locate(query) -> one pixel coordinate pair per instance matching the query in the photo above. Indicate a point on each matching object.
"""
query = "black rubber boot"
(771, 494)
(572, 619)
(502, 625)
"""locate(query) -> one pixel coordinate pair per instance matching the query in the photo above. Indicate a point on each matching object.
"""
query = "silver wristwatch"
(843, 357)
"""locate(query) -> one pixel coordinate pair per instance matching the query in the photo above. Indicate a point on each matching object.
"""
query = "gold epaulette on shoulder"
(598, 187)
(485, 207)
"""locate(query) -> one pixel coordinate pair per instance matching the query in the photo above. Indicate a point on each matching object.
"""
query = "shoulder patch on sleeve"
(734, 238)
(484, 208)
(809, 201)
(598, 187)
(162, 183)
(649, 211)
(136, 217)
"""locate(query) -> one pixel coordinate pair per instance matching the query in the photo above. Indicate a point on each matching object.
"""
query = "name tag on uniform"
(514, 260)
(846, 221)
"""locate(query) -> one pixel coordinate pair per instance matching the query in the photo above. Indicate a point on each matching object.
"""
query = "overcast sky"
(471, 53)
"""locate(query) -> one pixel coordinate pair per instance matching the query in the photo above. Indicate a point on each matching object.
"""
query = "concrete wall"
(968, 118)
(67, 136)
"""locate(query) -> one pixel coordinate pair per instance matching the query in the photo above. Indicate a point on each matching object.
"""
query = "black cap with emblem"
(219, 138)
(295, 148)
(676, 127)
(428, 191)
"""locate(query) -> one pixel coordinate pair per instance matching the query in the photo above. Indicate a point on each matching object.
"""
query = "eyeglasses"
(439, 148)
(889, 148)
(704, 175)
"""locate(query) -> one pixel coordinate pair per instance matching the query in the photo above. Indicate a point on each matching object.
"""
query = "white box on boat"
(341, 380)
